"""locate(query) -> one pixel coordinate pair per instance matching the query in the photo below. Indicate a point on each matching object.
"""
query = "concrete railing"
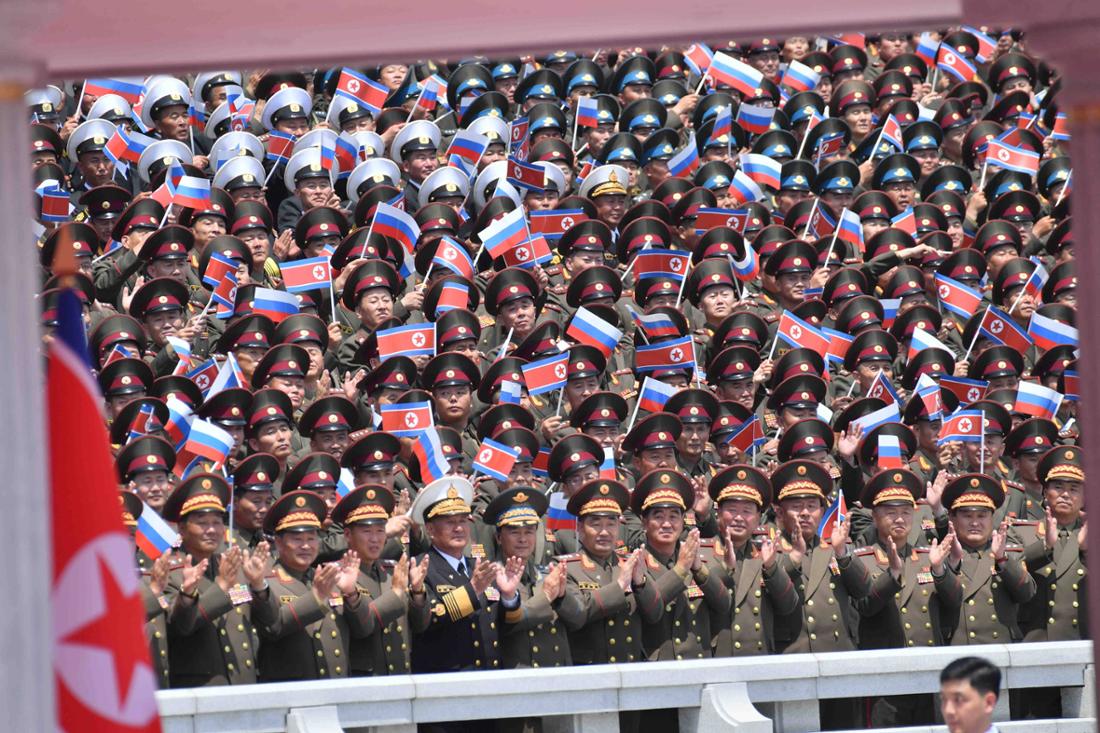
(755, 694)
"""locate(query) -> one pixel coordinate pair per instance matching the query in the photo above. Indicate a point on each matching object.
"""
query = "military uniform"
(534, 634)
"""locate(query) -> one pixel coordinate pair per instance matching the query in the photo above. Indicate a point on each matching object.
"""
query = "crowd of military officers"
(330, 545)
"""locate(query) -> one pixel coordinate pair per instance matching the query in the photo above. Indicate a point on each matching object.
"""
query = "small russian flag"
(686, 161)
(755, 119)
(588, 328)
(504, 233)
(275, 304)
(881, 416)
(468, 145)
(209, 441)
(154, 536)
(762, 169)
(654, 325)
(746, 266)
(1048, 332)
(192, 192)
(743, 190)
(724, 69)
(1037, 400)
(798, 77)
(588, 110)
(921, 340)
(511, 393)
(397, 224)
(428, 451)
(607, 467)
(654, 394)
(889, 452)
(557, 516)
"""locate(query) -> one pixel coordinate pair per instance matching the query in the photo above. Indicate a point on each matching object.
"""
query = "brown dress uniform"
(758, 596)
(1058, 611)
(683, 631)
(534, 635)
(156, 630)
(991, 593)
(211, 639)
(386, 650)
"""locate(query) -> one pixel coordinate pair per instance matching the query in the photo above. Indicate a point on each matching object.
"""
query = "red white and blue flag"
(1048, 332)
(662, 263)
(154, 536)
(891, 133)
(746, 266)
(798, 77)
(798, 333)
(921, 340)
(748, 435)
(101, 665)
(725, 69)
(709, 218)
(1000, 154)
(546, 375)
(743, 189)
(495, 460)
(124, 148)
(588, 328)
(588, 111)
(468, 145)
(654, 394)
(655, 325)
(505, 233)
(275, 304)
(905, 221)
(888, 414)
(1037, 401)
(837, 512)
(192, 192)
(686, 161)
(850, 229)
(882, 388)
(960, 299)
(179, 418)
(762, 169)
(998, 326)
(428, 451)
(965, 426)
(966, 390)
(755, 119)
(675, 354)
(889, 452)
(926, 49)
(309, 274)
(129, 89)
(932, 397)
(951, 60)
(527, 176)
(417, 339)
(699, 57)
(986, 45)
(209, 441)
(519, 142)
(224, 295)
(397, 224)
(454, 257)
(553, 224)
(217, 267)
(407, 419)
(280, 146)
(535, 250)
(838, 345)
(358, 88)
(229, 376)
(557, 516)
(1037, 279)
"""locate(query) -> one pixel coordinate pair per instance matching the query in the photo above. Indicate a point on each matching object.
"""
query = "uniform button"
(535, 665)
(321, 670)
(244, 645)
(496, 662)
(530, 633)
(1075, 604)
(1051, 603)
(830, 601)
(1054, 586)
(971, 619)
(156, 634)
(391, 667)
(756, 610)
(756, 626)
(757, 594)
(832, 586)
(399, 629)
(336, 653)
(610, 622)
(897, 595)
(970, 602)
(1075, 586)
(737, 627)
(240, 627)
(1080, 571)
(679, 656)
(677, 623)
(492, 624)
(553, 629)
(611, 641)
(810, 603)
(677, 641)
(668, 608)
(332, 616)
(477, 662)
(222, 632)
(495, 644)
(163, 653)
(810, 619)
(248, 662)
(339, 670)
(908, 625)
(476, 643)
(611, 659)
(626, 622)
(317, 635)
(927, 625)
(737, 610)
(320, 653)
(630, 657)
(736, 645)
(924, 609)
(813, 637)
(904, 609)
(404, 646)
(334, 634)
(834, 617)
(628, 640)
(995, 634)
(535, 649)
(972, 635)
(228, 649)
(556, 648)
(910, 642)
(993, 617)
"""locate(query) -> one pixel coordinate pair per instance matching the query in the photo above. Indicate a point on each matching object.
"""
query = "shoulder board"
(571, 557)
(771, 318)
(552, 269)
(707, 542)
(402, 468)
(651, 562)
(924, 463)
(1014, 548)
(785, 545)
(630, 394)
(1025, 523)
(622, 372)
(553, 307)
(388, 563)
(921, 550)
(1013, 485)
(283, 575)
(486, 321)
(558, 290)
(770, 419)
(550, 535)
(862, 551)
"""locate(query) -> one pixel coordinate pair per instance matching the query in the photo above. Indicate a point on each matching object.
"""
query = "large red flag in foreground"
(100, 658)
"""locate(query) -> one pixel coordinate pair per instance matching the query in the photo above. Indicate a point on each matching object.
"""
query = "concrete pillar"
(725, 708)
(323, 719)
(27, 698)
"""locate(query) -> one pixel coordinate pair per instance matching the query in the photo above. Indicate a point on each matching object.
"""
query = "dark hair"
(983, 675)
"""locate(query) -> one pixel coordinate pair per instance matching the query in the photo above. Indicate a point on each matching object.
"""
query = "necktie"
(462, 568)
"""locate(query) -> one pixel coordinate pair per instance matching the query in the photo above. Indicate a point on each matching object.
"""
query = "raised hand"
(956, 546)
(417, 573)
(702, 503)
(508, 576)
(255, 565)
(729, 557)
(626, 570)
(324, 581)
(798, 546)
(934, 492)
(229, 567)
(553, 585)
(848, 442)
(348, 575)
(192, 574)
(896, 563)
(689, 552)
(769, 553)
(158, 576)
(839, 538)
(398, 525)
(1050, 533)
(482, 577)
(1000, 541)
(637, 574)
(399, 582)
(940, 551)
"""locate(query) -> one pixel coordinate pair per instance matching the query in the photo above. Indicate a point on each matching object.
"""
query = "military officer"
(392, 590)
(305, 616)
(211, 640)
